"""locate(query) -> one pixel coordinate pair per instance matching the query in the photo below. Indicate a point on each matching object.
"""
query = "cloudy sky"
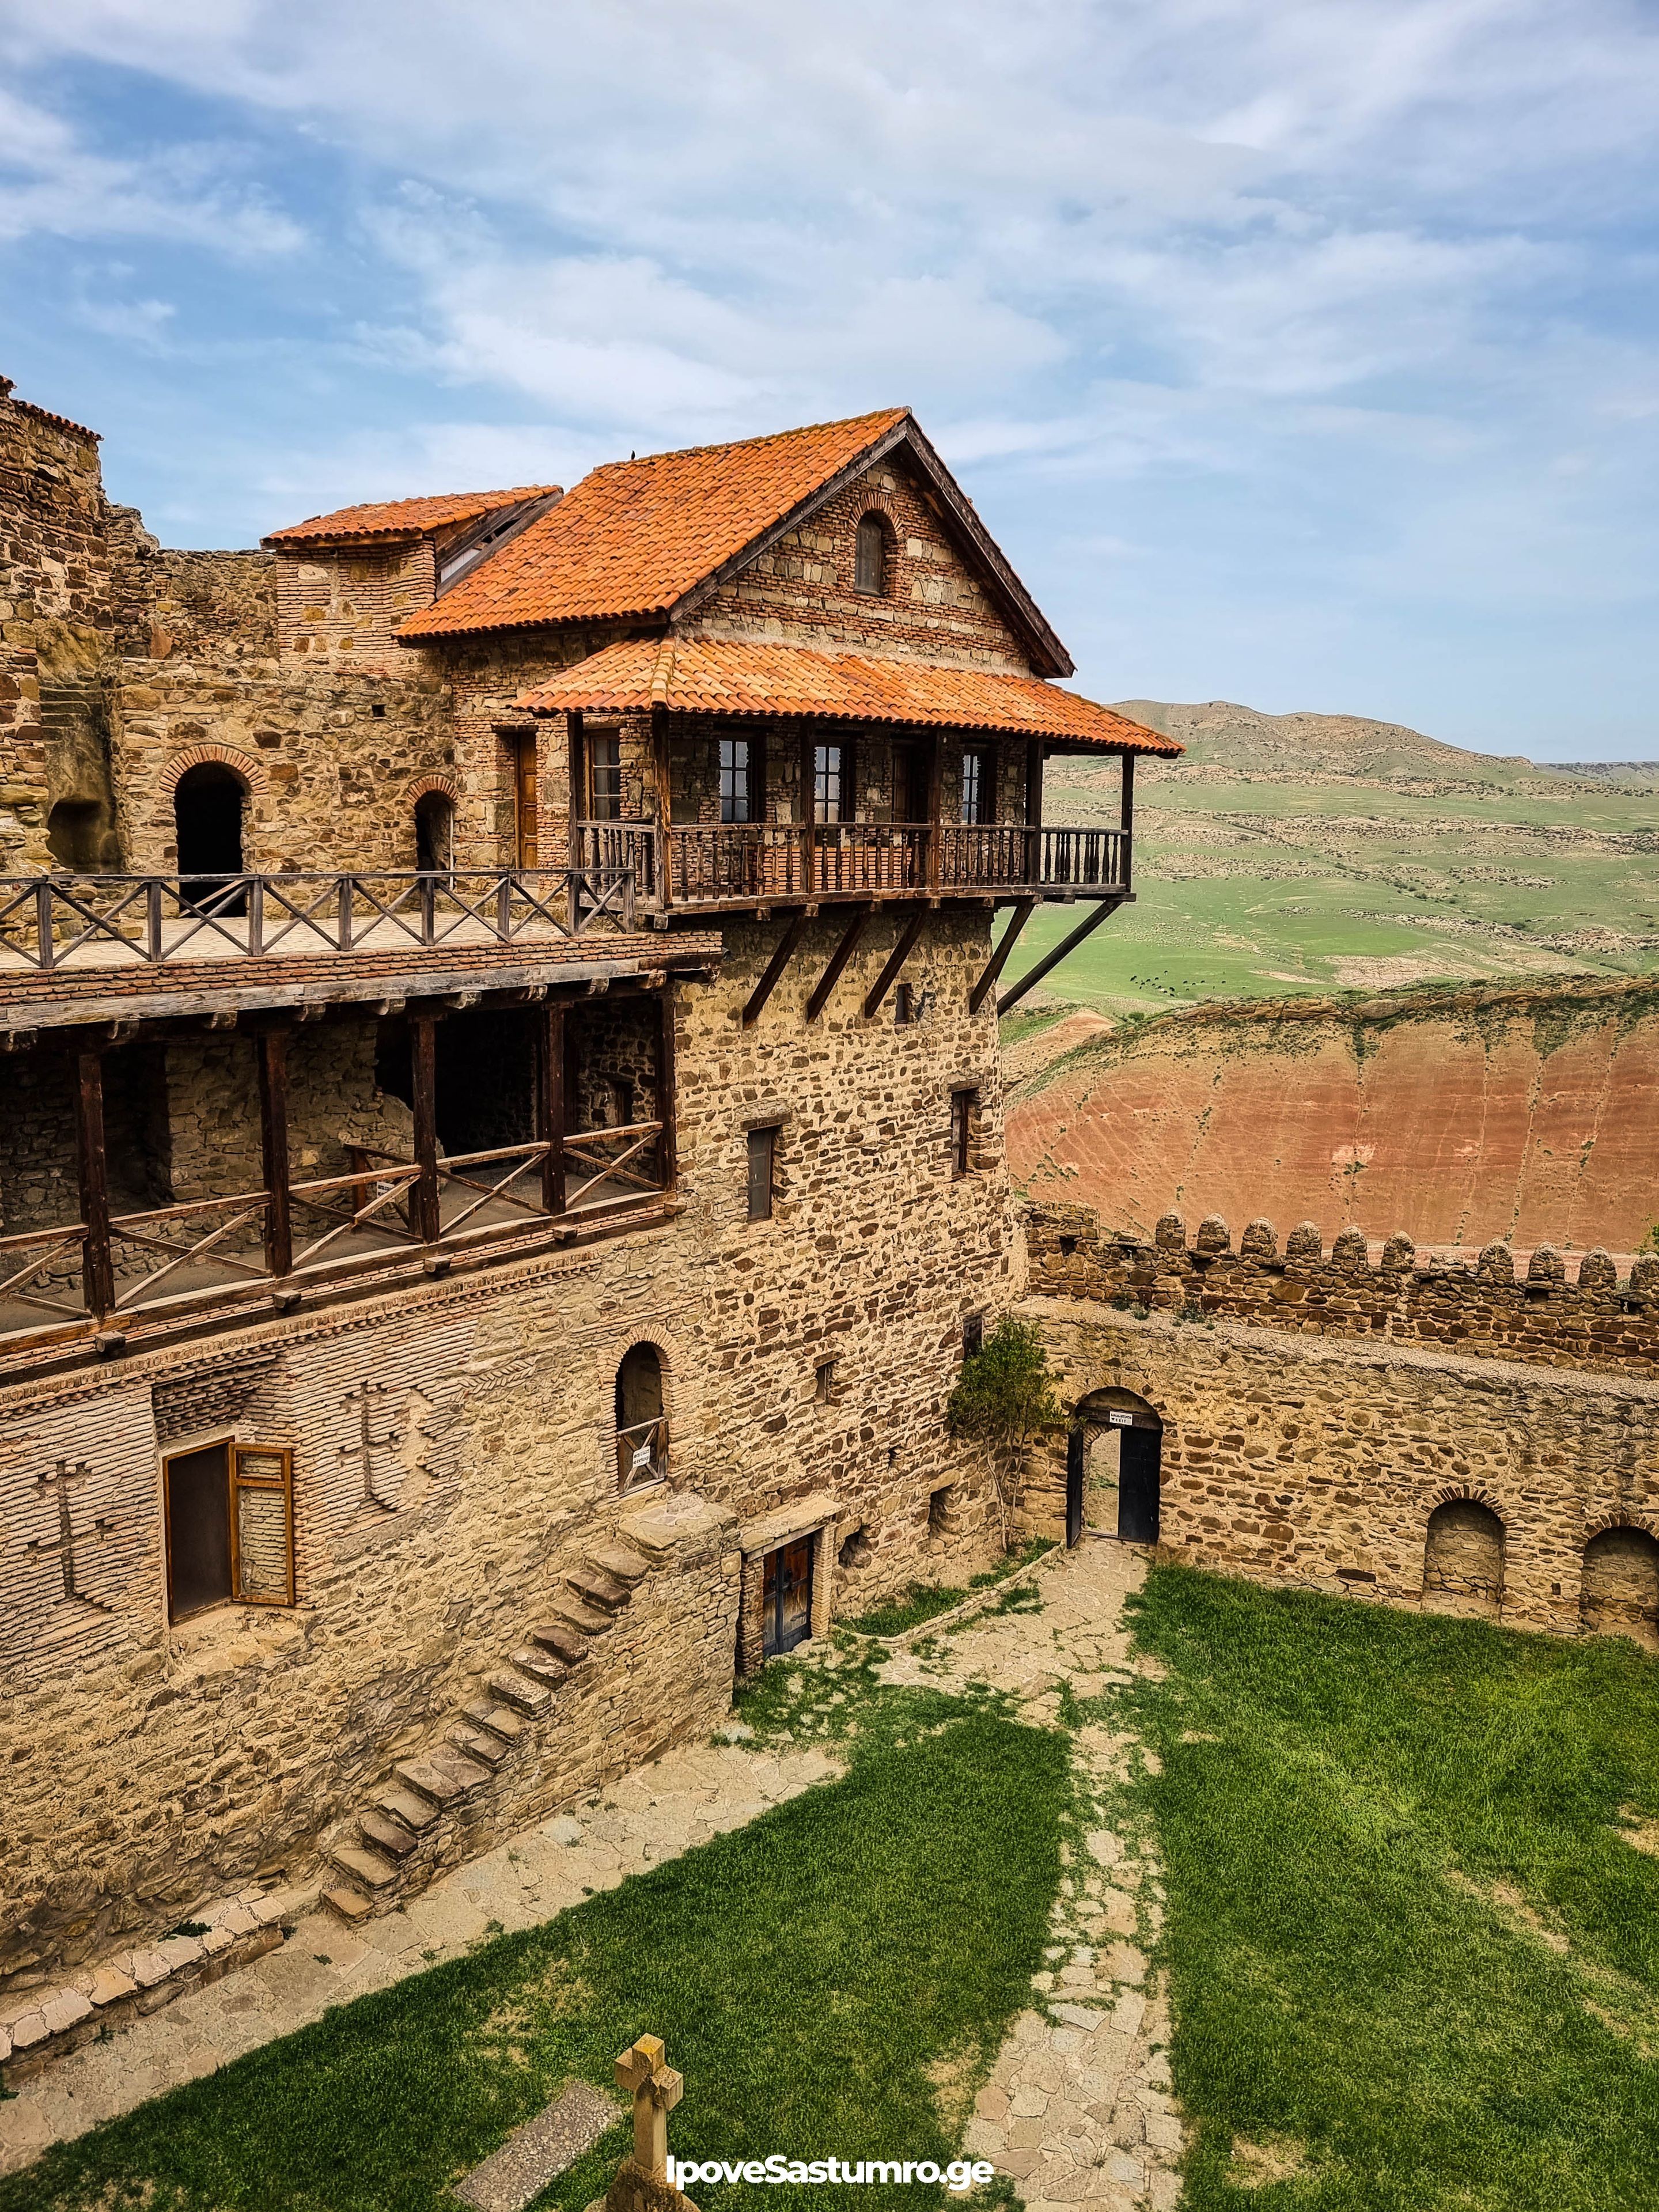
(1300, 352)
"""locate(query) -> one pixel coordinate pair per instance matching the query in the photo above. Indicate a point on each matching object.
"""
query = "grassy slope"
(806, 1973)
(1256, 885)
(1405, 1932)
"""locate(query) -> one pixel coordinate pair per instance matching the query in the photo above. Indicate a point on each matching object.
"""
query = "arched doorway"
(1620, 1594)
(435, 833)
(207, 812)
(1114, 1471)
(641, 1428)
(1463, 1559)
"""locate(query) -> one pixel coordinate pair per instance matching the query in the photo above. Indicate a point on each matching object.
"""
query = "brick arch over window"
(419, 787)
(197, 756)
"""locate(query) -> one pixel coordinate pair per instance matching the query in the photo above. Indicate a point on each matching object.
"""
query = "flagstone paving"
(1076, 2110)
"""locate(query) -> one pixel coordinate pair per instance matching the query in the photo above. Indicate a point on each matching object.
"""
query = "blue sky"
(1300, 352)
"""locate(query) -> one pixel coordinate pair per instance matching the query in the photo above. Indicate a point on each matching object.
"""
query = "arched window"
(642, 1426)
(1620, 1590)
(870, 557)
(207, 814)
(435, 833)
(1464, 1558)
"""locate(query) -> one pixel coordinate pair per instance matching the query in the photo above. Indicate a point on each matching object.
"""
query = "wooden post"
(1127, 819)
(575, 794)
(665, 1084)
(1034, 809)
(662, 776)
(552, 1103)
(97, 1269)
(809, 781)
(270, 1049)
(935, 813)
(423, 1068)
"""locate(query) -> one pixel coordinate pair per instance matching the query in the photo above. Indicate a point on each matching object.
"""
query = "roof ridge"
(736, 445)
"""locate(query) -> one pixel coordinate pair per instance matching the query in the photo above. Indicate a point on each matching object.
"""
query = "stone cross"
(656, 2090)
(67, 1539)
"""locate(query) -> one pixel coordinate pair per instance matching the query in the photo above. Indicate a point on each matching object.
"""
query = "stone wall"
(54, 592)
(332, 762)
(174, 604)
(455, 1450)
(1317, 1414)
(934, 605)
(342, 605)
(1600, 1320)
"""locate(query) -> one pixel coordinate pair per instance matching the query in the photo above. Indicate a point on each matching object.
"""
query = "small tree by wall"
(1004, 1397)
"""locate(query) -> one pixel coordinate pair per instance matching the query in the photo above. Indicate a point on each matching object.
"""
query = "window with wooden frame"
(823, 1382)
(904, 1005)
(965, 1114)
(735, 795)
(870, 557)
(976, 784)
(832, 795)
(604, 778)
(229, 1513)
(763, 1172)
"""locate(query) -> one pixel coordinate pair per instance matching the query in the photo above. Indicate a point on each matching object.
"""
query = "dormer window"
(870, 558)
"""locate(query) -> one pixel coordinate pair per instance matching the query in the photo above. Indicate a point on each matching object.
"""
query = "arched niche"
(1464, 1558)
(1619, 1592)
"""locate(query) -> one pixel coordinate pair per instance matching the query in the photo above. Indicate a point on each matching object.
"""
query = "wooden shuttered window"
(262, 1525)
(762, 1169)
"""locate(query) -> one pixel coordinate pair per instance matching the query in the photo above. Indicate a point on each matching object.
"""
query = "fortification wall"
(170, 602)
(1328, 1423)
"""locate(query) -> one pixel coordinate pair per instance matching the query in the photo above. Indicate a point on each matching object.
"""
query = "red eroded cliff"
(1528, 1113)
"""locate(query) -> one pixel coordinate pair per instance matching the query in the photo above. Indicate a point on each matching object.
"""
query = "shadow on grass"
(814, 1974)
(1406, 1935)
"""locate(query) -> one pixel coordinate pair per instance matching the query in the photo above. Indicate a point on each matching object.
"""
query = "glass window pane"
(734, 780)
(605, 775)
(973, 787)
(827, 784)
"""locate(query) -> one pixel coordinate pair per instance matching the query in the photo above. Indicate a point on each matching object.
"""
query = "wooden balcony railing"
(54, 922)
(744, 863)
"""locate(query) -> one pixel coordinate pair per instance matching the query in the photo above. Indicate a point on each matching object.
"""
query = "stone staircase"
(415, 1823)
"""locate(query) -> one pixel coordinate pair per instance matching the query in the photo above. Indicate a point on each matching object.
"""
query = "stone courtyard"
(1077, 2108)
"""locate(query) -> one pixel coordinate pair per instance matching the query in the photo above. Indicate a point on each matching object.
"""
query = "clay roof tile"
(402, 517)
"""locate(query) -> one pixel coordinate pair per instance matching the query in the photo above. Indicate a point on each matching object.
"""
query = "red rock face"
(1529, 1114)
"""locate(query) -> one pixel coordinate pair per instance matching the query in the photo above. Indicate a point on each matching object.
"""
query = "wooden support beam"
(97, 1269)
(270, 1055)
(1127, 819)
(895, 960)
(998, 960)
(809, 786)
(662, 771)
(775, 968)
(423, 1069)
(1104, 907)
(667, 1088)
(551, 1072)
(838, 960)
(935, 815)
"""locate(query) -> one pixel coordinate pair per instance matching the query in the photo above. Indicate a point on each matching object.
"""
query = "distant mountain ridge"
(1219, 733)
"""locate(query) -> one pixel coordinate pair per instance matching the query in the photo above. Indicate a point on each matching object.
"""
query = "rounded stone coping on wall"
(38, 2025)
(970, 1605)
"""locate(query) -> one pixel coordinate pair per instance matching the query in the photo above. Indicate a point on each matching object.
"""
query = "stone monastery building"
(501, 1161)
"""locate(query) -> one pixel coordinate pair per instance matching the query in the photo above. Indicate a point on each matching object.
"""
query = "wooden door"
(1140, 1451)
(523, 803)
(1076, 1451)
(788, 1597)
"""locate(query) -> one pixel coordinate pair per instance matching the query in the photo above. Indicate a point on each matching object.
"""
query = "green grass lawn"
(926, 1601)
(816, 1975)
(1408, 1941)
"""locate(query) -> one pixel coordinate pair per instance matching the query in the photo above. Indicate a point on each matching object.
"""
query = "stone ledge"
(39, 2026)
(804, 1517)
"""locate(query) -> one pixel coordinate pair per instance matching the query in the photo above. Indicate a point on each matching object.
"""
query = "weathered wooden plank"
(838, 960)
(775, 968)
(895, 960)
(1105, 907)
(994, 966)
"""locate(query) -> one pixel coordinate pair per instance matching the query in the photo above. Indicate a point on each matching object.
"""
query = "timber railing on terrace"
(740, 863)
(76, 921)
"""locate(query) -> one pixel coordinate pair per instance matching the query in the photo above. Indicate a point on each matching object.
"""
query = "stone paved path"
(1077, 2110)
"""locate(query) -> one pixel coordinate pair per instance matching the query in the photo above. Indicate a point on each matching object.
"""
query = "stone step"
(542, 1666)
(364, 1866)
(518, 1690)
(348, 1903)
(595, 1587)
(557, 1636)
(387, 1835)
(495, 1720)
(489, 1750)
(439, 1776)
(587, 1619)
(405, 1808)
(612, 1559)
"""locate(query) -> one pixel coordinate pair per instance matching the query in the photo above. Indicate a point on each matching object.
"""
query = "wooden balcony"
(708, 866)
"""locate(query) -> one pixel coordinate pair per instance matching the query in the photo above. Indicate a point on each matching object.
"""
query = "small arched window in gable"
(870, 557)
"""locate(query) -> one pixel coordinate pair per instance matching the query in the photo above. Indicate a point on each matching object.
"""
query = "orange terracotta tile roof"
(401, 518)
(633, 537)
(46, 414)
(730, 676)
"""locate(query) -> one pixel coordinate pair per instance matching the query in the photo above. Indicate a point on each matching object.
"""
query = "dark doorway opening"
(434, 834)
(787, 1597)
(74, 834)
(207, 813)
(484, 1082)
(641, 1428)
(1114, 1466)
(198, 1530)
(910, 782)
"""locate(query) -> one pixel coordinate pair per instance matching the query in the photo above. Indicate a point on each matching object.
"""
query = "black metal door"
(1076, 1451)
(1138, 1485)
